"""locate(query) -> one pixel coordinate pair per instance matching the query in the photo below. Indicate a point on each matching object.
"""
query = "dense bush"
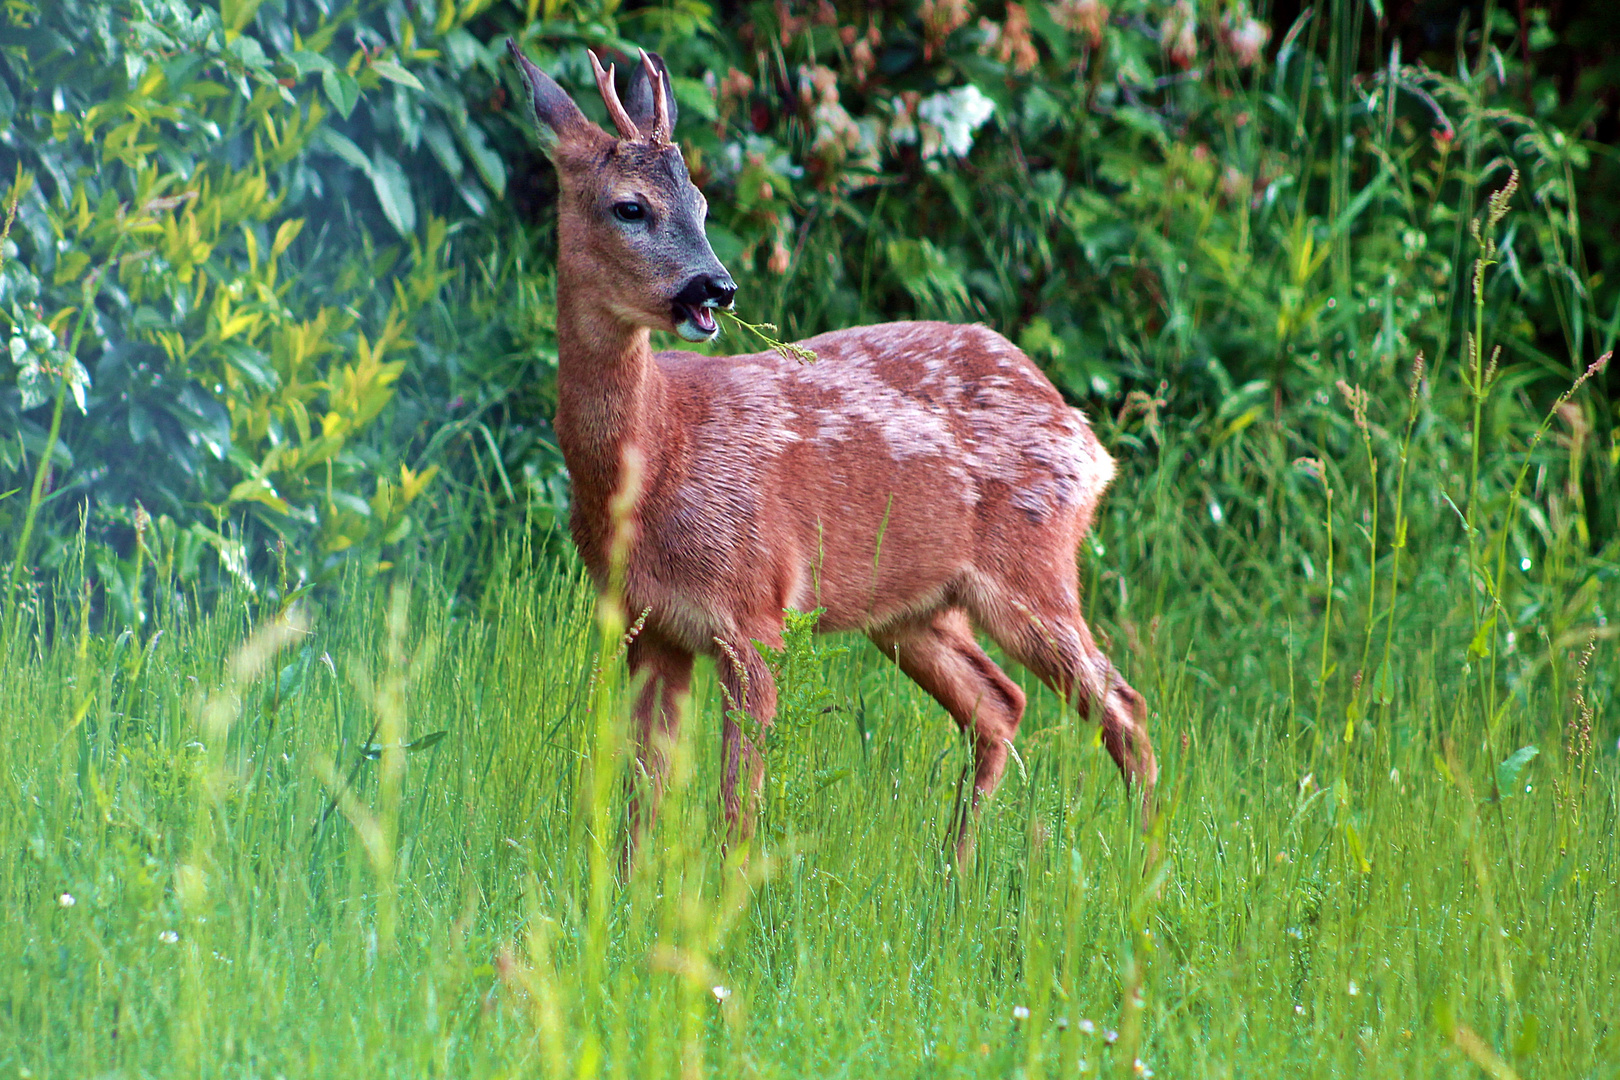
(264, 269)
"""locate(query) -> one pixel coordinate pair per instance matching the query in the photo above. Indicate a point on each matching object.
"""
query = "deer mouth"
(695, 322)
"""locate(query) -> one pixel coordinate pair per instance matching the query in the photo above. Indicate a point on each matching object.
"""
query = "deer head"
(629, 215)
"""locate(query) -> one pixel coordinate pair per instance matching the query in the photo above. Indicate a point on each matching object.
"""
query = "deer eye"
(629, 210)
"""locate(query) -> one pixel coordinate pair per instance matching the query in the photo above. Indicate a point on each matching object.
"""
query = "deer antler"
(655, 79)
(604, 82)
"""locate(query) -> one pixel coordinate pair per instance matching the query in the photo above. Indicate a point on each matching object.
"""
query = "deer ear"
(555, 111)
(640, 104)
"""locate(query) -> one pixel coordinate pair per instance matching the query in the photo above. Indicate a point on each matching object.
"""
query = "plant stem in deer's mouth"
(766, 332)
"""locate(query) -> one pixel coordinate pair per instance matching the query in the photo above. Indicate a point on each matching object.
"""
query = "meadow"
(374, 834)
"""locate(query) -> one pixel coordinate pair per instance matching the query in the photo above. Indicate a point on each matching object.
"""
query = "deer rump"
(911, 467)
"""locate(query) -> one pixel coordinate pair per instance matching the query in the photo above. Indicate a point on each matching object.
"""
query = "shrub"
(243, 209)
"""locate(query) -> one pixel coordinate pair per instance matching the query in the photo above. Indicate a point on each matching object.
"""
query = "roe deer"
(919, 480)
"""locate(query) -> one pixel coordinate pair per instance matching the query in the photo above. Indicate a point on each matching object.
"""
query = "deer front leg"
(747, 686)
(664, 672)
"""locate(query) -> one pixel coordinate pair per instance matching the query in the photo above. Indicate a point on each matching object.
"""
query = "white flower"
(1246, 36)
(66, 900)
(721, 993)
(955, 115)
(836, 130)
(168, 937)
(1020, 1012)
(1087, 1026)
(1141, 1068)
(1352, 989)
(903, 128)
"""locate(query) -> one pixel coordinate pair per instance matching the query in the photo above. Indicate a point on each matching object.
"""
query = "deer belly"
(864, 540)
(875, 546)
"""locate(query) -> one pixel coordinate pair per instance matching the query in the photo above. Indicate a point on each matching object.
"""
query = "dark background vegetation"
(285, 266)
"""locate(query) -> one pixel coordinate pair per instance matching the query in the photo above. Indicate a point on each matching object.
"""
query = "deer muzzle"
(693, 307)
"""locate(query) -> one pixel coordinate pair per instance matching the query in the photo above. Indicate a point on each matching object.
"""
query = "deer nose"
(708, 290)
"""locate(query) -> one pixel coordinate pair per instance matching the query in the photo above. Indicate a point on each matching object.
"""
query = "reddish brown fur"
(917, 481)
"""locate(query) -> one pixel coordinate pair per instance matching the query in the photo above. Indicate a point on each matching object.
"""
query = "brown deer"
(918, 480)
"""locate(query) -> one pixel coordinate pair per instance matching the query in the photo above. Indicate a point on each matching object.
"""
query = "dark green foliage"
(315, 243)
(250, 200)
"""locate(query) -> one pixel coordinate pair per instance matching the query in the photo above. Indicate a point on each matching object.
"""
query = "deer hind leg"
(665, 673)
(748, 686)
(1054, 642)
(941, 655)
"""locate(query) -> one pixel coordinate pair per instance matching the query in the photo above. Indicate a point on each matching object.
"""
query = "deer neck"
(610, 407)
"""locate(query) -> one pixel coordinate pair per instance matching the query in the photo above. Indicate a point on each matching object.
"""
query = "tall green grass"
(368, 837)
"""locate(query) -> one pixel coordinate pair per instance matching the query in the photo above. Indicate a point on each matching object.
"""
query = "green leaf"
(394, 73)
(444, 148)
(473, 195)
(252, 363)
(394, 193)
(1481, 645)
(694, 98)
(1055, 36)
(35, 389)
(142, 430)
(1507, 773)
(1444, 770)
(351, 502)
(1529, 1037)
(344, 148)
(491, 169)
(1358, 857)
(373, 751)
(78, 378)
(257, 489)
(1359, 203)
(1445, 1016)
(304, 62)
(291, 678)
(250, 52)
(1383, 687)
(205, 419)
(341, 90)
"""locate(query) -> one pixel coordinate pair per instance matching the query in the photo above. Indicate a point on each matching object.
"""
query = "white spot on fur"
(1006, 427)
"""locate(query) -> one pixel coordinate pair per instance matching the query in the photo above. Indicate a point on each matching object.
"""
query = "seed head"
(1356, 398)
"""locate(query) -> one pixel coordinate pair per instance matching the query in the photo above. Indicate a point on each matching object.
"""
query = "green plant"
(806, 703)
(230, 181)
